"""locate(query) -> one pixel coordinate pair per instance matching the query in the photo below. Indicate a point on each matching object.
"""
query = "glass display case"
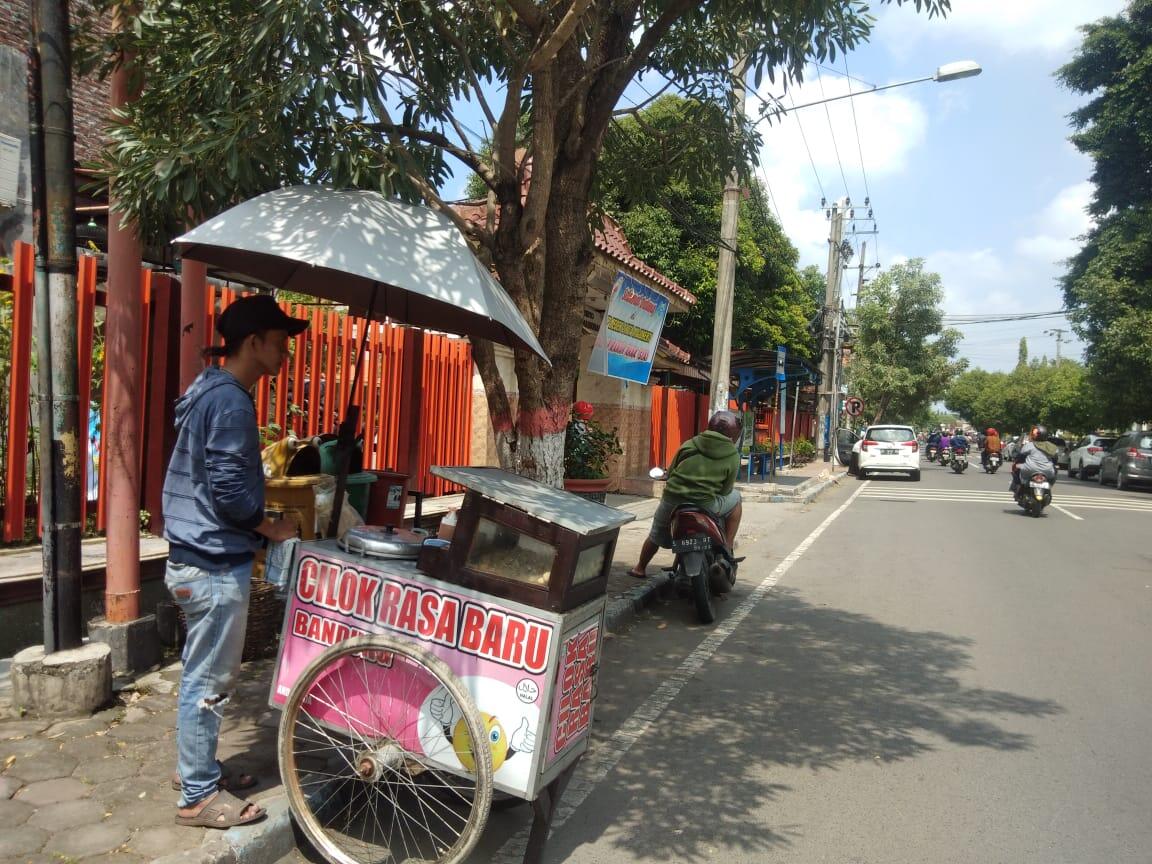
(532, 543)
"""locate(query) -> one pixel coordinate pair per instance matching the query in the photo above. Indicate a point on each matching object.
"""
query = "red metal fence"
(677, 415)
(324, 354)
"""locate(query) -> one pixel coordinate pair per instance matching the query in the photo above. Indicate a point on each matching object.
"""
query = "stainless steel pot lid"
(383, 541)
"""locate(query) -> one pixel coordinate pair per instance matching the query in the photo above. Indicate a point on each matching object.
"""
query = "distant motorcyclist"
(945, 440)
(991, 445)
(1037, 455)
(933, 438)
(959, 442)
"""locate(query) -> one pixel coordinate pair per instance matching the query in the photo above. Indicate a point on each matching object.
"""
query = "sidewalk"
(98, 788)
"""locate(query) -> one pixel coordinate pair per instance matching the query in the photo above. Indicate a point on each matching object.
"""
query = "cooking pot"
(383, 541)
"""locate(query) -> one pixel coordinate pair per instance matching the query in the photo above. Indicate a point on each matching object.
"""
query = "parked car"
(888, 449)
(847, 449)
(1084, 461)
(1128, 461)
(1062, 452)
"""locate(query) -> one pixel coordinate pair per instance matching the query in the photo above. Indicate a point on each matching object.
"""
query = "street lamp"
(947, 72)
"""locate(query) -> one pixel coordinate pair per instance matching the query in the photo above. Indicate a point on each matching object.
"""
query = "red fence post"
(161, 384)
(85, 317)
(18, 393)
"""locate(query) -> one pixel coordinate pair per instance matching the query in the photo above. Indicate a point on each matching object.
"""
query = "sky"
(975, 176)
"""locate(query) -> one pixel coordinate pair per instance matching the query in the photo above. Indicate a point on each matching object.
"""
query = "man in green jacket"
(704, 474)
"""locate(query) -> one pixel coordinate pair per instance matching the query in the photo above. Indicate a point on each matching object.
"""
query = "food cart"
(417, 677)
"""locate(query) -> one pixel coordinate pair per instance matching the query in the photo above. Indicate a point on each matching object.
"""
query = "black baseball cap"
(254, 314)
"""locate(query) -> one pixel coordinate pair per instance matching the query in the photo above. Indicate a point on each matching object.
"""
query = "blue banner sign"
(626, 344)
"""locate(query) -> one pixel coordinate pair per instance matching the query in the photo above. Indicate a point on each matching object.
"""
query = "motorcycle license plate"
(1039, 486)
(694, 543)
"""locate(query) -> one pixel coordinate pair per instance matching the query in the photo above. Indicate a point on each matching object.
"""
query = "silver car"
(1084, 462)
(1128, 461)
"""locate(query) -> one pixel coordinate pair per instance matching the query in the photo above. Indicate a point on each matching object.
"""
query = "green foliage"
(660, 178)
(588, 448)
(904, 358)
(241, 96)
(803, 451)
(1108, 285)
(1059, 395)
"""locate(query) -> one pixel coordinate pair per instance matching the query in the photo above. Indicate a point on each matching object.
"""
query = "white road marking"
(1067, 501)
(1067, 513)
(595, 766)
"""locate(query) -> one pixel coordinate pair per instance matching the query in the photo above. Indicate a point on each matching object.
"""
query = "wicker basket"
(265, 615)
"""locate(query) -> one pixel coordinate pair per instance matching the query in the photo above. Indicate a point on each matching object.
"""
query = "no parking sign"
(854, 406)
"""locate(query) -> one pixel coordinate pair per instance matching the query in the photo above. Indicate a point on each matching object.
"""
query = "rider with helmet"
(991, 445)
(1037, 456)
(702, 473)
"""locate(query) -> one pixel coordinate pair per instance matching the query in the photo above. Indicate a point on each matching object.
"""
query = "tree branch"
(469, 157)
(546, 53)
(527, 12)
(449, 35)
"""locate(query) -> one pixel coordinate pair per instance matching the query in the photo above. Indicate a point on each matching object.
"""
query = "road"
(933, 676)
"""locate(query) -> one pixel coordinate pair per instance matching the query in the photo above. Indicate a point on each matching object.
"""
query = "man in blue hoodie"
(214, 522)
(703, 473)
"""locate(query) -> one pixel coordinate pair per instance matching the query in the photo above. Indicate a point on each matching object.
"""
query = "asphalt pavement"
(934, 677)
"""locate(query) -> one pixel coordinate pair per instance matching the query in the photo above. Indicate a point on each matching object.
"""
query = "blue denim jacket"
(214, 488)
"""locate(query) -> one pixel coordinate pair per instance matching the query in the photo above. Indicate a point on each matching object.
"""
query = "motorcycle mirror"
(657, 473)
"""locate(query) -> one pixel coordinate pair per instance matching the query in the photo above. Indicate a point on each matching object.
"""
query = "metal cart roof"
(543, 502)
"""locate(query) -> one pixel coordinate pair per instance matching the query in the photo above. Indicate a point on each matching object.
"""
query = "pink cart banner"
(502, 656)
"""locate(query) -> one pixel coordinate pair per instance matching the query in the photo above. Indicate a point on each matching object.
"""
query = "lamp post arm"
(856, 93)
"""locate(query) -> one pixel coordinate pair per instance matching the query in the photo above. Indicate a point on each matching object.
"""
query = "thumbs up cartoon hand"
(523, 739)
(442, 709)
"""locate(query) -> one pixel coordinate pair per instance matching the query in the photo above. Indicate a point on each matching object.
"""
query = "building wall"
(90, 106)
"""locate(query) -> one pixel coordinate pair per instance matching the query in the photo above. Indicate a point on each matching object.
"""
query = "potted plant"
(588, 450)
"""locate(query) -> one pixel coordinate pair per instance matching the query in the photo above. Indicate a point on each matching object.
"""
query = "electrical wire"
(832, 134)
(859, 145)
(811, 161)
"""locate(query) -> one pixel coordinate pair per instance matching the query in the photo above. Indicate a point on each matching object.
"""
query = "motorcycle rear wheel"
(702, 595)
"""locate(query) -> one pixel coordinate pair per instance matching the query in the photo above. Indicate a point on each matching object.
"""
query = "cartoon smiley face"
(497, 741)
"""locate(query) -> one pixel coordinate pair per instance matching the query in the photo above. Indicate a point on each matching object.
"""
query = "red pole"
(18, 392)
(123, 388)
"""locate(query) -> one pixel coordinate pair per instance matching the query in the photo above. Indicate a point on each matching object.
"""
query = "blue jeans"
(215, 606)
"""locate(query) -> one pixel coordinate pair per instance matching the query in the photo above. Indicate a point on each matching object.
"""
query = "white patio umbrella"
(378, 256)
(361, 249)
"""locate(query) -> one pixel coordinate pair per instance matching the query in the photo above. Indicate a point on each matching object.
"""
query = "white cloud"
(1011, 26)
(1059, 224)
(891, 125)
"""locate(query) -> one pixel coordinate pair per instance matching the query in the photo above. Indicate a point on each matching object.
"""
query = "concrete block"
(47, 792)
(65, 683)
(93, 840)
(135, 644)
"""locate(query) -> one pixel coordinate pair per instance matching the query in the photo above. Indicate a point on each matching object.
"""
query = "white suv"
(889, 450)
(1086, 454)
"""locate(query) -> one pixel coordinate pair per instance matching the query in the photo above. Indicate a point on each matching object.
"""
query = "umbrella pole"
(346, 434)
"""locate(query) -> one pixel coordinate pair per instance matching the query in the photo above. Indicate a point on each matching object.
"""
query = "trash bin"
(356, 488)
(328, 455)
(294, 497)
(388, 499)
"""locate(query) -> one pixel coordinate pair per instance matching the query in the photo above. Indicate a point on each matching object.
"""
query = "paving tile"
(115, 767)
(68, 729)
(23, 840)
(137, 732)
(26, 747)
(93, 840)
(9, 784)
(47, 792)
(70, 814)
(45, 766)
(10, 729)
(91, 748)
(120, 856)
(159, 841)
(116, 794)
(15, 812)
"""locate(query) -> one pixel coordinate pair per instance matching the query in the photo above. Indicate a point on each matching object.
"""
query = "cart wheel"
(371, 775)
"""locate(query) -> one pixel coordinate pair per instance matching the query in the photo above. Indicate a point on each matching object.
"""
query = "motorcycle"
(704, 566)
(992, 463)
(932, 451)
(945, 457)
(1034, 495)
(959, 461)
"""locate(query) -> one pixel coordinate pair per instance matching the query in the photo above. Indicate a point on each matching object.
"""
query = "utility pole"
(1058, 332)
(830, 333)
(726, 265)
(60, 479)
